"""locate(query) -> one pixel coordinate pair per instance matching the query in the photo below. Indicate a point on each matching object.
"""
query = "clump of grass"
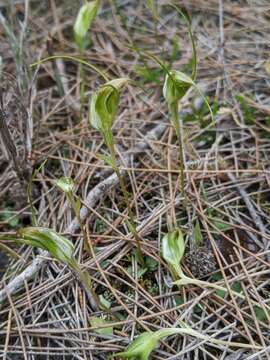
(103, 109)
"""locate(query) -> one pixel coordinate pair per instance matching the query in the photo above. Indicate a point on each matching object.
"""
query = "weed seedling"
(103, 109)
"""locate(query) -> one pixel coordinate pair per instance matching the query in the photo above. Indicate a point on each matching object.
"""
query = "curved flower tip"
(85, 17)
(176, 86)
(104, 105)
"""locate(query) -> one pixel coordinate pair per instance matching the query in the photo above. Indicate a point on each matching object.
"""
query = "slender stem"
(86, 281)
(177, 127)
(73, 204)
(72, 58)
(83, 276)
(131, 222)
(185, 280)
(160, 334)
(82, 88)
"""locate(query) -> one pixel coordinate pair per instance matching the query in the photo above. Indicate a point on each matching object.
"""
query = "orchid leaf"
(57, 245)
(144, 344)
(97, 321)
(141, 347)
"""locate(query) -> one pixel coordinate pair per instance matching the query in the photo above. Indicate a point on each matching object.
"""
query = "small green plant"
(197, 234)
(145, 343)
(67, 185)
(173, 249)
(85, 17)
(61, 249)
(175, 87)
(103, 109)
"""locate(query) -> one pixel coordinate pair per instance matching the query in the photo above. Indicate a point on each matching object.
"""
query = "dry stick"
(92, 198)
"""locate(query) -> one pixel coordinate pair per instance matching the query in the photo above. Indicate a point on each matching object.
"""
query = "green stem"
(130, 222)
(176, 124)
(76, 210)
(72, 58)
(84, 277)
(160, 334)
(82, 88)
(185, 280)
(86, 281)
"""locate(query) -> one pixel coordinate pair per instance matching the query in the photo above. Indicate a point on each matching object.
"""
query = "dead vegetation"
(45, 313)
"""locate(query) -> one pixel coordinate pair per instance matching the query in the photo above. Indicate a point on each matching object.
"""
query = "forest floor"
(44, 311)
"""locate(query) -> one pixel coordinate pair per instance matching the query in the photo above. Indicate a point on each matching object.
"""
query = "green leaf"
(198, 234)
(151, 263)
(57, 245)
(260, 314)
(8, 216)
(96, 321)
(141, 347)
(237, 287)
(141, 271)
(178, 300)
(217, 277)
(248, 111)
(218, 223)
(61, 249)
(104, 105)
(66, 184)
(198, 309)
(85, 17)
(104, 303)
